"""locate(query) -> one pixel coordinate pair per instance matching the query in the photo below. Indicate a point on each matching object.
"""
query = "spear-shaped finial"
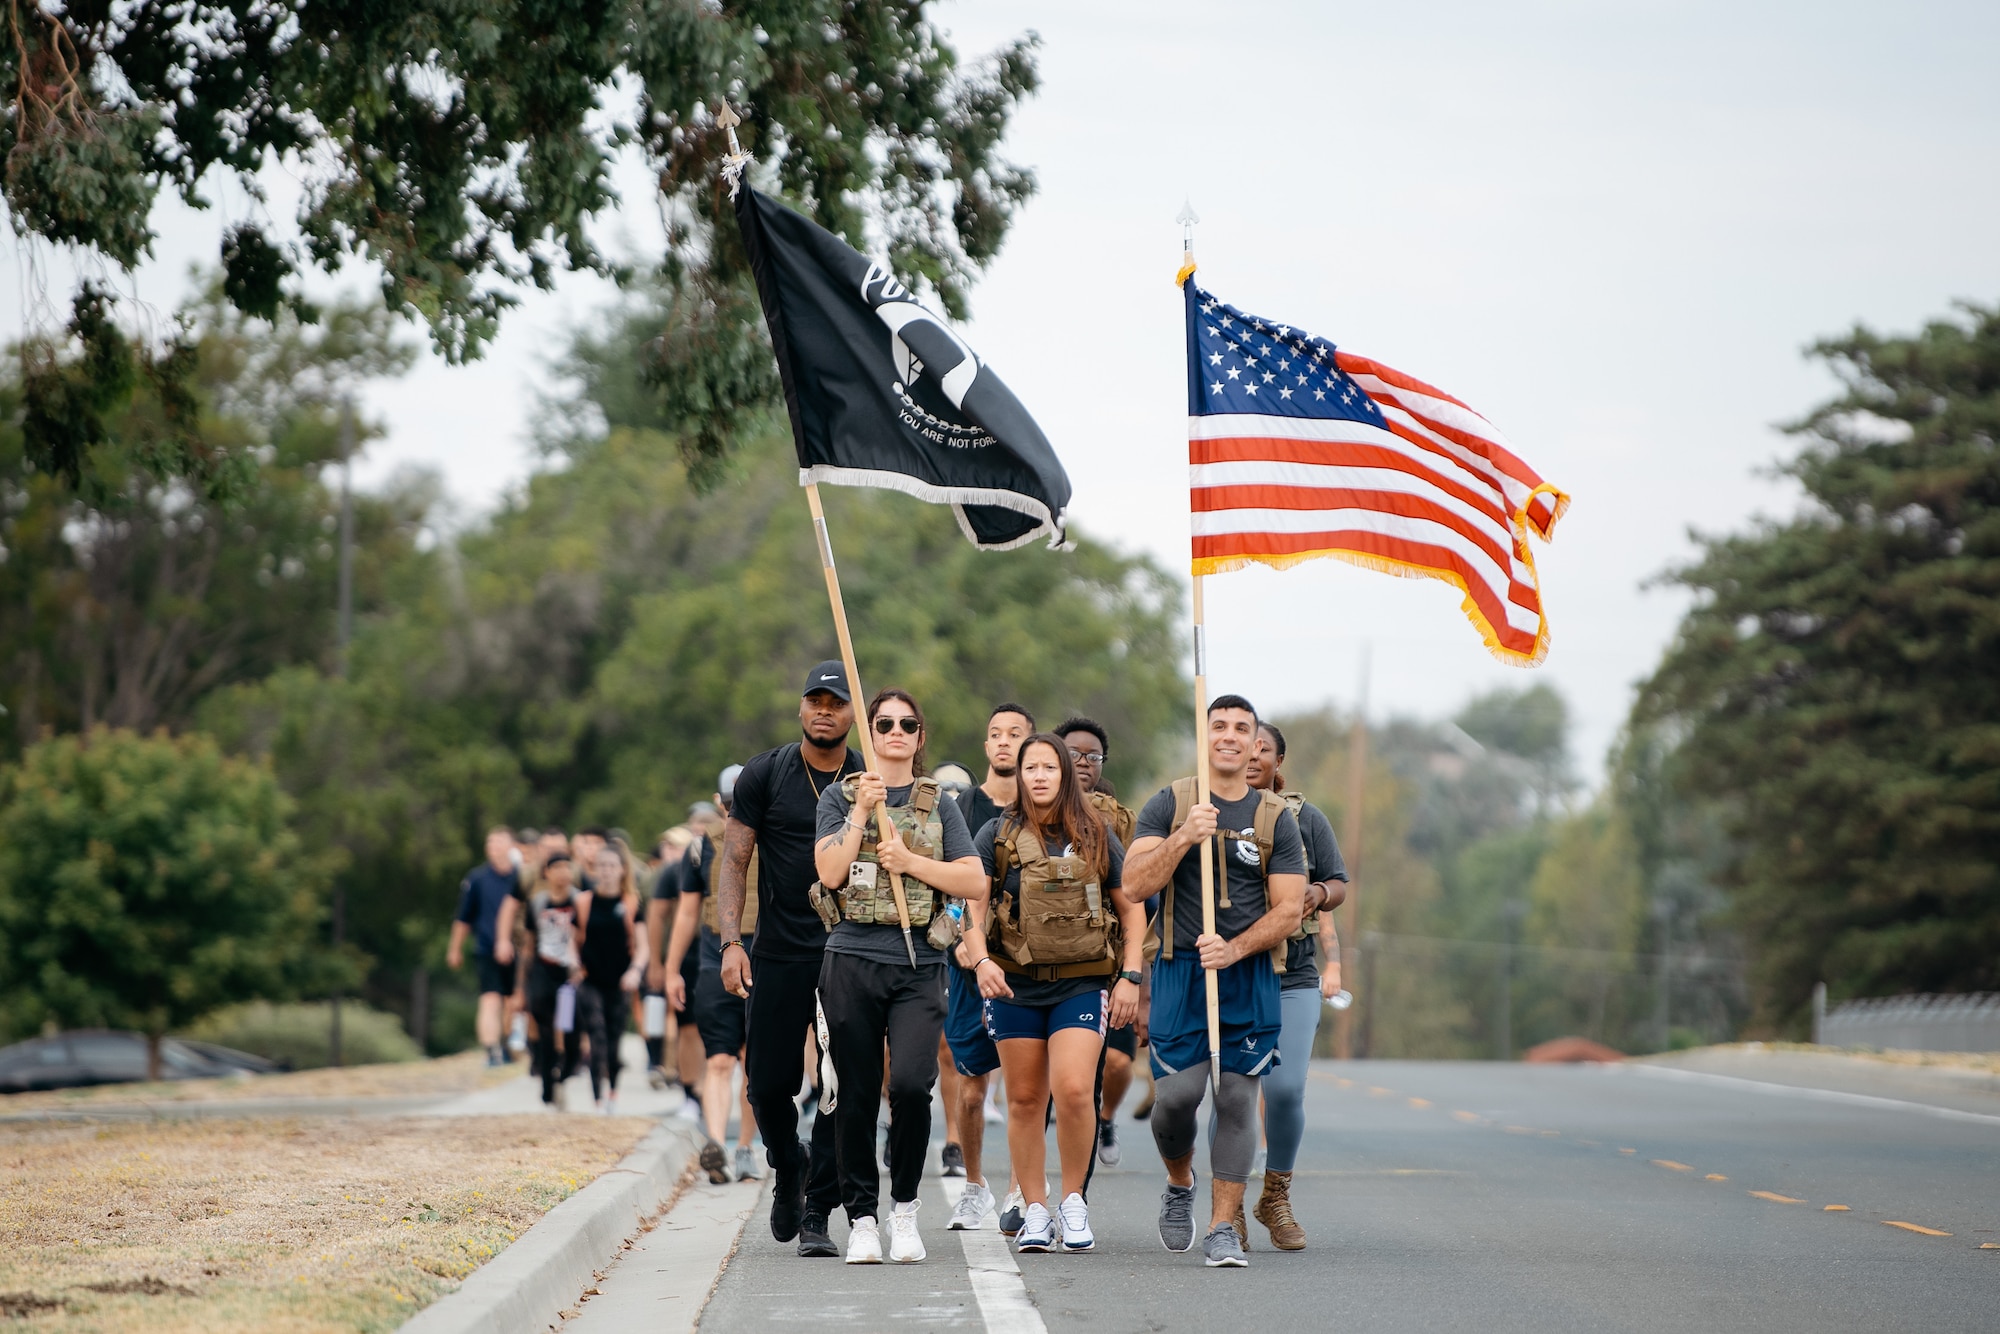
(736, 160)
(1187, 219)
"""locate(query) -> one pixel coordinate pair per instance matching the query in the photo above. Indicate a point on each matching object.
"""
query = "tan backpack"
(711, 912)
(1057, 924)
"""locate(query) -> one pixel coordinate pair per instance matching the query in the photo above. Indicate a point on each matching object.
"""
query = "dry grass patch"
(466, 1072)
(279, 1225)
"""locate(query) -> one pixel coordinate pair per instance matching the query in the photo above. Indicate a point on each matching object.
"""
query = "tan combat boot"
(1274, 1211)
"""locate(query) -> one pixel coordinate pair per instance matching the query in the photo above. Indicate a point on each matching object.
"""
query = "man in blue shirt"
(480, 895)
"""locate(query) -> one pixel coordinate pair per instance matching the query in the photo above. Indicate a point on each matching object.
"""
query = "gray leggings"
(1176, 1103)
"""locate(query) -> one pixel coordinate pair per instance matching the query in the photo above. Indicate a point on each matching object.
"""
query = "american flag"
(1297, 449)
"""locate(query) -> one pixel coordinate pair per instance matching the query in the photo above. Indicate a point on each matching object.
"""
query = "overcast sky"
(1610, 229)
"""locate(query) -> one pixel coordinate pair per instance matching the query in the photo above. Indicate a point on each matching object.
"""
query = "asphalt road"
(1489, 1197)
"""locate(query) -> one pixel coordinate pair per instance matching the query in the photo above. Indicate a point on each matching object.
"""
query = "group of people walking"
(855, 924)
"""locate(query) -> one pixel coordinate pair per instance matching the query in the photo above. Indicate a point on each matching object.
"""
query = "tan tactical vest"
(867, 898)
(1118, 818)
(1263, 831)
(1057, 924)
(711, 912)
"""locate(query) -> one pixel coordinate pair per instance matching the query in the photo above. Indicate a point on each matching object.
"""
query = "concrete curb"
(525, 1288)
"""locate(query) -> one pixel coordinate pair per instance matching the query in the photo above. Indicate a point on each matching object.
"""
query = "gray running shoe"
(746, 1163)
(1177, 1217)
(969, 1214)
(1223, 1249)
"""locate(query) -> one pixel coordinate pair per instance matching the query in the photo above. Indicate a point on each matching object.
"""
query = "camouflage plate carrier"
(1057, 924)
(867, 899)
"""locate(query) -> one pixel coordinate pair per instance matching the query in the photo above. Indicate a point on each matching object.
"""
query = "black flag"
(884, 393)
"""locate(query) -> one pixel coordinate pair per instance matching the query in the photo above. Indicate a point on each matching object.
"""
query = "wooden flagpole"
(1187, 220)
(854, 686)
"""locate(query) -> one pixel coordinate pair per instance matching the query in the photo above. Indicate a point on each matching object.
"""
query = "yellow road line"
(1552, 1134)
(1836, 1209)
(1715, 1176)
(1521, 1130)
(1775, 1199)
(1468, 1117)
(1377, 1091)
(1989, 1245)
(1628, 1151)
(1420, 1103)
(1591, 1143)
(1914, 1227)
(1671, 1165)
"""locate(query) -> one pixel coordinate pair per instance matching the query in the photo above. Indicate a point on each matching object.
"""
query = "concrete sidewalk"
(522, 1096)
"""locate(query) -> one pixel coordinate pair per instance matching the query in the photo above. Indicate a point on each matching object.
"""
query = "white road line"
(996, 1279)
(1816, 1095)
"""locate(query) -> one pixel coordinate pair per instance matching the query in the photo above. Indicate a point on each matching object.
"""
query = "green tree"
(463, 150)
(125, 599)
(144, 882)
(1833, 689)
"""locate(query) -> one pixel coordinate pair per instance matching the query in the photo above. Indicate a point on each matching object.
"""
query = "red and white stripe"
(1435, 491)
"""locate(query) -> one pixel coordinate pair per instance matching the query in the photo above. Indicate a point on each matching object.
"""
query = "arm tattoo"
(738, 840)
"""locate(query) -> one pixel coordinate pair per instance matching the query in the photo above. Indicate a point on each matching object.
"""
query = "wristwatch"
(1134, 976)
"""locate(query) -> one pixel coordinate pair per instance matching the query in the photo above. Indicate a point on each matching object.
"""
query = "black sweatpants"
(865, 1002)
(780, 1015)
(544, 980)
(600, 1017)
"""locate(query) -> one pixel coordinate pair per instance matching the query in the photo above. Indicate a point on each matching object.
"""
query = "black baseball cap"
(830, 676)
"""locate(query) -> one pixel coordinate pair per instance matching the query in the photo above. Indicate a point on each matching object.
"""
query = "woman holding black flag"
(868, 985)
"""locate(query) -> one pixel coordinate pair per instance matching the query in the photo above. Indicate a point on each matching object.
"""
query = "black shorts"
(1124, 1039)
(494, 975)
(691, 975)
(719, 1017)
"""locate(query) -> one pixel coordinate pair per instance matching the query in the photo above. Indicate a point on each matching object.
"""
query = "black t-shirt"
(694, 880)
(667, 884)
(1323, 862)
(883, 942)
(607, 941)
(777, 795)
(977, 808)
(1239, 856)
(1027, 990)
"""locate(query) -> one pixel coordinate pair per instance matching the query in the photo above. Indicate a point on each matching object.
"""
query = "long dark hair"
(1080, 825)
(923, 729)
(1277, 754)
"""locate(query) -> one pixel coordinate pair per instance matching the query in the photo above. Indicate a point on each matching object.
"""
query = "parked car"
(103, 1056)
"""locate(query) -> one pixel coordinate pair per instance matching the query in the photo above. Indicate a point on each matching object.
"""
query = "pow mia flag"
(883, 392)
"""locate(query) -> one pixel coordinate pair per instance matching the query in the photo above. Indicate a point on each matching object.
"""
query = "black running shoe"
(788, 1195)
(814, 1243)
(953, 1159)
(715, 1162)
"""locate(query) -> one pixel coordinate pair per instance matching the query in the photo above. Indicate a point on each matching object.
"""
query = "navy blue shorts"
(972, 1052)
(494, 975)
(1251, 1019)
(1005, 1019)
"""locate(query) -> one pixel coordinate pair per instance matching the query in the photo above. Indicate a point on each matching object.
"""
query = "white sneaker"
(905, 1246)
(1076, 1234)
(969, 1214)
(1038, 1230)
(864, 1243)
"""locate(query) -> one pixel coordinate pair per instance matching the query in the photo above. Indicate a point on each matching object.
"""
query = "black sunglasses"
(910, 726)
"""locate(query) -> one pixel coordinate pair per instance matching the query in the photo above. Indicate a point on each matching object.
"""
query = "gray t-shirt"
(1239, 856)
(884, 943)
(1027, 990)
(1323, 862)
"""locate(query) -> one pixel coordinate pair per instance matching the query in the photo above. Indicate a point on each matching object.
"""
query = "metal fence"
(1915, 1023)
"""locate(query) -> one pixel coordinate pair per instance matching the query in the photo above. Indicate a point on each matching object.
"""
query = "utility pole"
(1503, 1027)
(344, 631)
(1357, 765)
(1663, 914)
